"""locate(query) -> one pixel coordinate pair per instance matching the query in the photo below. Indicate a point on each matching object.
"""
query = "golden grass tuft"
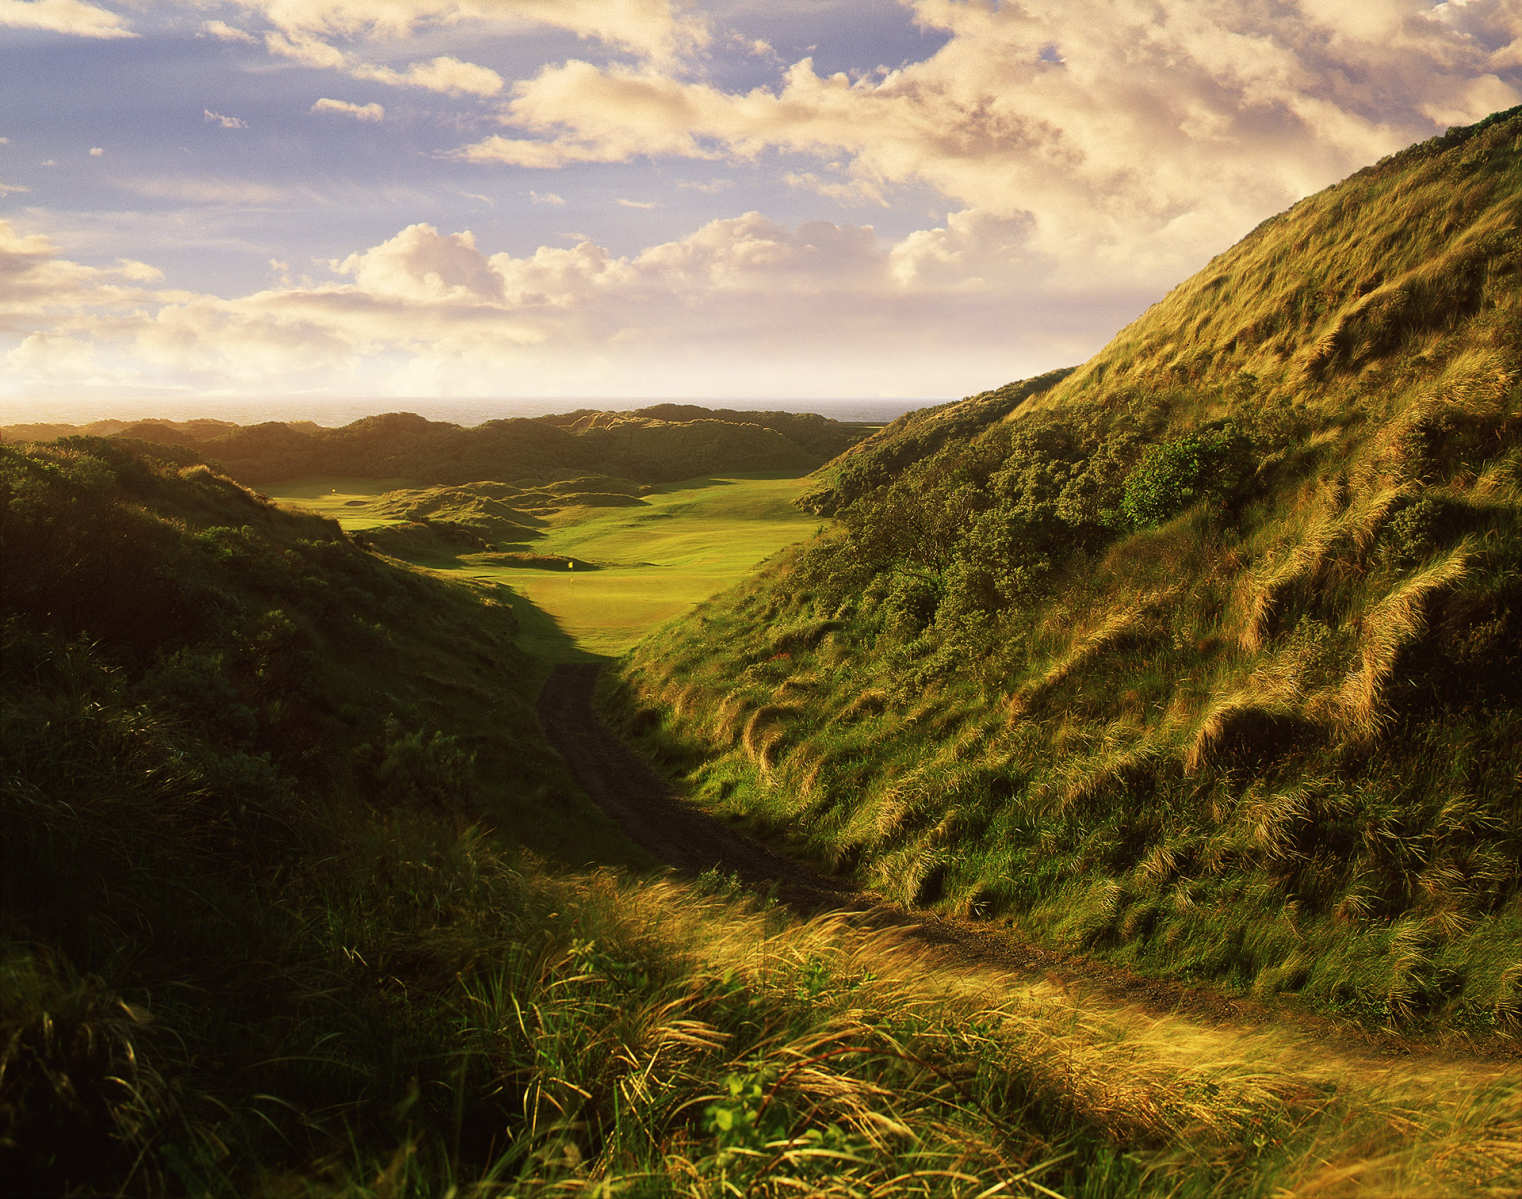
(1260, 714)
(764, 735)
(1118, 628)
(868, 702)
(730, 717)
(1343, 535)
(1356, 707)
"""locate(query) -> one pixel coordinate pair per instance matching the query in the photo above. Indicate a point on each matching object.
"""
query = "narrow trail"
(651, 815)
(678, 834)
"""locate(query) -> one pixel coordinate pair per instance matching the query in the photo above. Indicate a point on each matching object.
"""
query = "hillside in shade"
(1206, 655)
(658, 444)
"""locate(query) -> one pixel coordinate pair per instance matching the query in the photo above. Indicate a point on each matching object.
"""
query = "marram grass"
(1191, 656)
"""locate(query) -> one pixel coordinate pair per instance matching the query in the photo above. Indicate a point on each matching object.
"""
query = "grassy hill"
(660, 444)
(268, 927)
(1206, 655)
(247, 768)
(294, 900)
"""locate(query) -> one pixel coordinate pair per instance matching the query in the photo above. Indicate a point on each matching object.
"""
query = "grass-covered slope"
(1207, 655)
(259, 938)
(652, 445)
(239, 757)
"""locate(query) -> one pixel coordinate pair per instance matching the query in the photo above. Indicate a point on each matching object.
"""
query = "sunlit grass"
(1263, 737)
(681, 545)
(348, 501)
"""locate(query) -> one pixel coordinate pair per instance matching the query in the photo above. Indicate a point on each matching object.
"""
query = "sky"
(207, 204)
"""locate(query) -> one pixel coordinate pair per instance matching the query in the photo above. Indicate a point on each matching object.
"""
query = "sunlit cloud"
(656, 29)
(222, 31)
(443, 74)
(1129, 134)
(73, 17)
(222, 119)
(431, 305)
(360, 112)
(1036, 174)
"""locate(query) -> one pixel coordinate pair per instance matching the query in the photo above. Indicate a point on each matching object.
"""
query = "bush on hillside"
(1211, 464)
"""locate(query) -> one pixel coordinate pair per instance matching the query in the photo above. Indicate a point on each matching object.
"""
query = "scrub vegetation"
(1202, 657)
(295, 901)
(1205, 656)
(658, 444)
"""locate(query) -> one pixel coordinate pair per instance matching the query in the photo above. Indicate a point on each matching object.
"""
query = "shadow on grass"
(541, 635)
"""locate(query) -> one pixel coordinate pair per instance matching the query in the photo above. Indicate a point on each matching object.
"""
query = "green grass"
(655, 560)
(1203, 656)
(349, 501)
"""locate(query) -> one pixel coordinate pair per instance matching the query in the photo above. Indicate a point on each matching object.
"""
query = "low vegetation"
(1204, 656)
(602, 562)
(659, 444)
(294, 904)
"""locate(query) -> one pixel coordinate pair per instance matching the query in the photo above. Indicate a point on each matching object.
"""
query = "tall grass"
(1182, 656)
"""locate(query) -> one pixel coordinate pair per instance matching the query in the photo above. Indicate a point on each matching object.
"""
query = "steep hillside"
(660, 444)
(237, 748)
(1207, 655)
(267, 929)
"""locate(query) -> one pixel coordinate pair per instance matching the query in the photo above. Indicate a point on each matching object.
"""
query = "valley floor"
(1431, 1119)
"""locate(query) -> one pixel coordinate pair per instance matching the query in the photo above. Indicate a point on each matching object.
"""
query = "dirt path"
(678, 834)
(651, 815)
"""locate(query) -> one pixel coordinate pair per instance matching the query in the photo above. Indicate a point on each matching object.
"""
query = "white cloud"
(644, 205)
(226, 122)
(7, 189)
(1475, 99)
(360, 112)
(35, 281)
(422, 266)
(662, 30)
(307, 50)
(442, 74)
(138, 272)
(73, 17)
(553, 198)
(1137, 137)
(97, 151)
(432, 309)
(222, 31)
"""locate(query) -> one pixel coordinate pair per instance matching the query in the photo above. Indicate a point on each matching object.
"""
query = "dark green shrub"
(1211, 464)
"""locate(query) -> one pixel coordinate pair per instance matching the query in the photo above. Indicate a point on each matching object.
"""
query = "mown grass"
(349, 501)
(1202, 656)
(654, 554)
(683, 544)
